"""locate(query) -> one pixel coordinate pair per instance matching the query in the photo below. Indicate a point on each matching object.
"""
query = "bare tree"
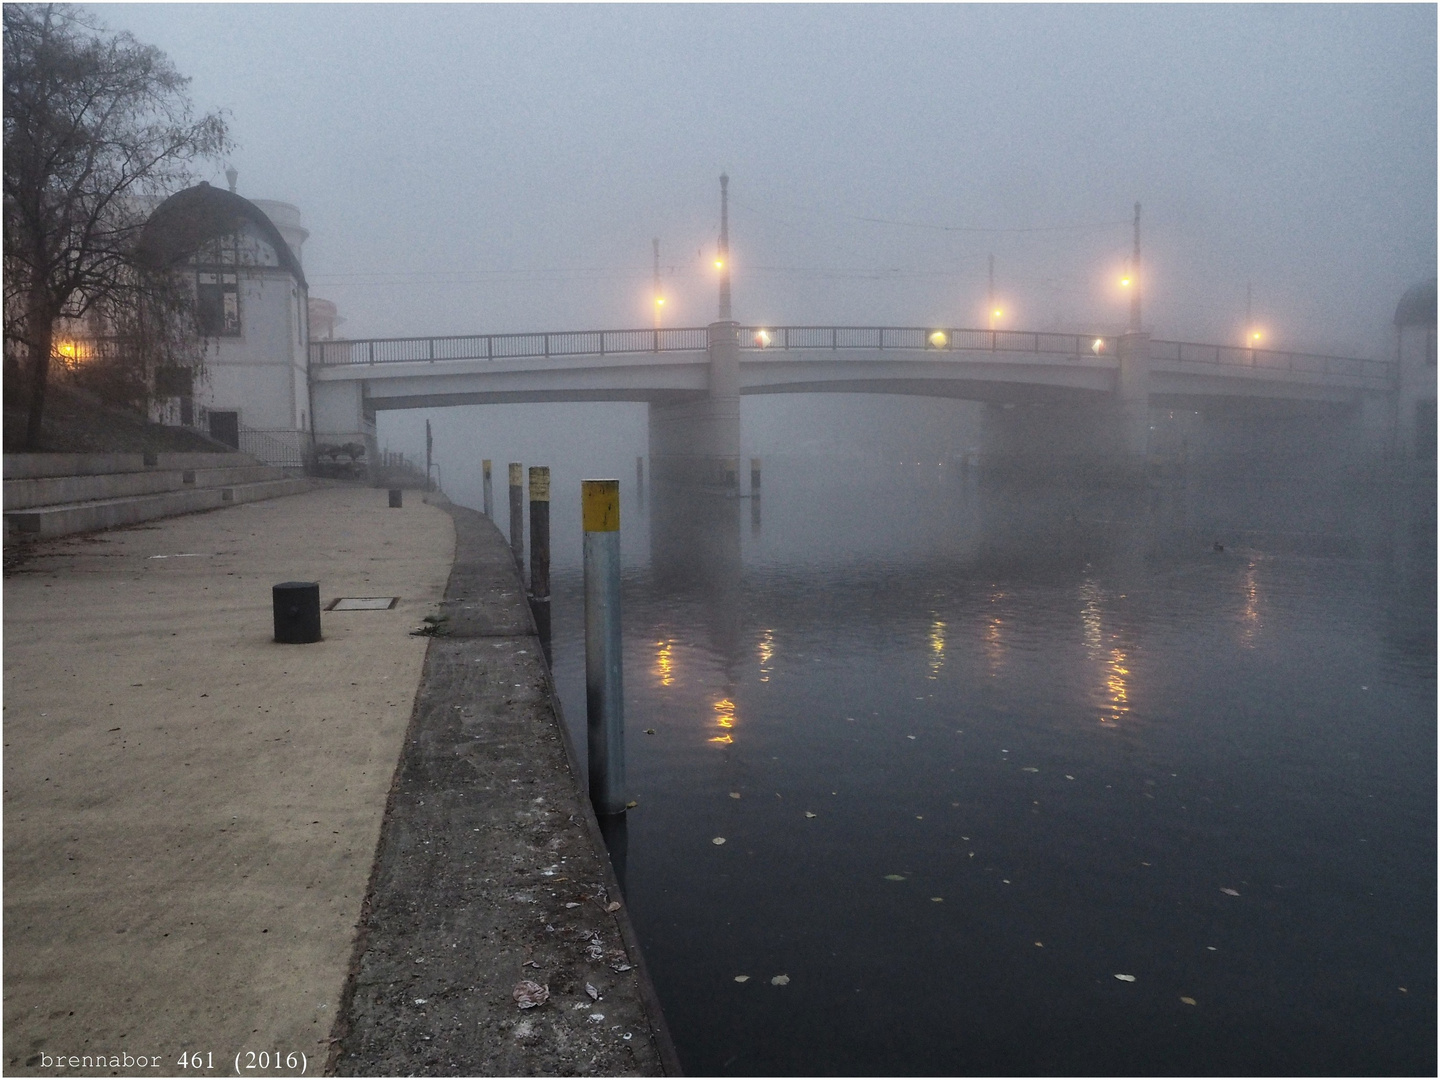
(98, 127)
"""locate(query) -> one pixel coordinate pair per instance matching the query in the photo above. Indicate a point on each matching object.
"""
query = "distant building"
(253, 308)
(324, 318)
(1415, 351)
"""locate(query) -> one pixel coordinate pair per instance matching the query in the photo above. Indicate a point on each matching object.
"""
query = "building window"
(217, 302)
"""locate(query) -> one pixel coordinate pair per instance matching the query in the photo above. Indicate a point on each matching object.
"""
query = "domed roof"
(189, 219)
(1417, 306)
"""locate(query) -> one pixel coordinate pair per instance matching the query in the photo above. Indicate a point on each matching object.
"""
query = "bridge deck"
(658, 365)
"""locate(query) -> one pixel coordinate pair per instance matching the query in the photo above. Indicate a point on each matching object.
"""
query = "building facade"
(252, 304)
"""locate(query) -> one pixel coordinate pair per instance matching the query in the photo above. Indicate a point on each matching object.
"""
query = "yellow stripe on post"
(600, 505)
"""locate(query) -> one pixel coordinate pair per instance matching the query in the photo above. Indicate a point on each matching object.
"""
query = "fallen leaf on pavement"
(529, 994)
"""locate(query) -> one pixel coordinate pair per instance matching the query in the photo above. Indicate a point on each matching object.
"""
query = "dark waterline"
(1046, 740)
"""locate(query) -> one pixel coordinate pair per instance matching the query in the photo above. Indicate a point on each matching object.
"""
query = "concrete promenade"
(192, 812)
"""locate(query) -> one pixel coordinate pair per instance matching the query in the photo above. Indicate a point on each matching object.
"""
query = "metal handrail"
(1189, 352)
(275, 446)
(927, 338)
(506, 346)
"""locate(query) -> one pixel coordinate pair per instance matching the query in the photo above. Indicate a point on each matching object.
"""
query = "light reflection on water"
(1074, 738)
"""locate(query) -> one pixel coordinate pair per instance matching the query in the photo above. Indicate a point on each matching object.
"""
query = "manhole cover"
(363, 603)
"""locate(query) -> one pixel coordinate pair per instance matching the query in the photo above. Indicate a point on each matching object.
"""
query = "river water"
(1030, 782)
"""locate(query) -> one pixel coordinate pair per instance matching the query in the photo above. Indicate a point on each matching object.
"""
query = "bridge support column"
(696, 444)
(339, 415)
(1132, 390)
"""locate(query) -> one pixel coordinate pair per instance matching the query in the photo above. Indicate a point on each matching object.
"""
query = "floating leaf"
(894, 877)
(649, 731)
(1029, 768)
(1126, 978)
(529, 994)
(742, 978)
(809, 814)
(937, 899)
(1188, 1000)
(632, 804)
(613, 905)
(718, 841)
(1069, 777)
(734, 794)
(780, 980)
(1229, 892)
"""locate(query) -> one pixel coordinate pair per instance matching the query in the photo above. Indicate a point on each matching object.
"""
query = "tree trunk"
(41, 327)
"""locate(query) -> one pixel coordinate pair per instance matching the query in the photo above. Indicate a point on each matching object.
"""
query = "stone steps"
(58, 494)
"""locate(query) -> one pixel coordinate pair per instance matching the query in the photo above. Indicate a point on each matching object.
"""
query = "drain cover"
(363, 603)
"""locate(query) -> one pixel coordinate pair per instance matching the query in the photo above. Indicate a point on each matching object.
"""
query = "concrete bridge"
(692, 380)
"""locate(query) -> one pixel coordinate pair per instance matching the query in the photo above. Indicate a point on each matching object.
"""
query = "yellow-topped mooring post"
(540, 553)
(489, 503)
(604, 684)
(517, 515)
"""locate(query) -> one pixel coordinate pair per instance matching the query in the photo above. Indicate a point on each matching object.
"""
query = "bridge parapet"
(1378, 374)
(505, 346)
(928, 339)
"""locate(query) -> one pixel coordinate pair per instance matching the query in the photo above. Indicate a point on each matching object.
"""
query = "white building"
(253, 306)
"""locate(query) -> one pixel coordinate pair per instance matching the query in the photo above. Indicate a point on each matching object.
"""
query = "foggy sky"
(468, 169)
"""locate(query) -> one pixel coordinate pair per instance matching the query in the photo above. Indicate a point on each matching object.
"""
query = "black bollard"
(395, 499)
(297, 612)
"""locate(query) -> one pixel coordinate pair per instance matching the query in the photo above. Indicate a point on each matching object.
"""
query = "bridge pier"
(340, 415)
(696, 444)
(1132, 391)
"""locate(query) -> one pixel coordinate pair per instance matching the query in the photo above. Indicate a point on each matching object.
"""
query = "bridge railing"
(505, 346)
(1187, 352)
(929, 338)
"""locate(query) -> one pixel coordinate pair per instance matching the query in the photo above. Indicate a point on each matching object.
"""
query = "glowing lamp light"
(659, 301)
(938, 340)
(1125, 281)
(762, 338)
(66, 349)
(1098, 347)
(997, 313)
(719, 264)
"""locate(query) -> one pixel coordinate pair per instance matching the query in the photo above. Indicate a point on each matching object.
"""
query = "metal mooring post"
(517, 515)
(754, 477)
(297, 612)
(604, 689)
(640, 482)
(540, 553)
(489, 495)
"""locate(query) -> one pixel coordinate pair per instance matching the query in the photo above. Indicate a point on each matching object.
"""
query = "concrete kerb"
(449, 786)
